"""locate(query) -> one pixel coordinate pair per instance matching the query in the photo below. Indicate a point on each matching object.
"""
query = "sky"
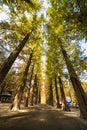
(3, 13)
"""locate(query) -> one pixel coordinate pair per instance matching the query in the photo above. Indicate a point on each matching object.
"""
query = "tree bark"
(32, 96)
(36, 90)
(39, 93)
(80, 94)
(28, 91)
(26, 100)
(50, 94)
(16, 103)
(65, 107)
(4, 69)
(57, 96)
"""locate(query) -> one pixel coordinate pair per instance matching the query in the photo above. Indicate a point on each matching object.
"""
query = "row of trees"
(65, 31)
(22, 38)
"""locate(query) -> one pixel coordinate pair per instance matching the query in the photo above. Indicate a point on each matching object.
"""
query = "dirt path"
(41, 117)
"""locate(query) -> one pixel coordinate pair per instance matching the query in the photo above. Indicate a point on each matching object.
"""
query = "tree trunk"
(80, 94)
(28, 91)
(32, 97)
(39, 93)
(15, 105)
(50, 98)
(36, 90)
(57, 96)
(18, 97)
(4, 69)
(65, 107)
(26, 100)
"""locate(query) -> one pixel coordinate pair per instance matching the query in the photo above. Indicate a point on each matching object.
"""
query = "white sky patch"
(43, 59)
(6, 8)
(3, 16)
(27, 14)
(4, 13)
(84, 47)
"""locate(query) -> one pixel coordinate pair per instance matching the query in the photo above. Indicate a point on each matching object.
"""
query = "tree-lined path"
(43, 59)
(42, 117)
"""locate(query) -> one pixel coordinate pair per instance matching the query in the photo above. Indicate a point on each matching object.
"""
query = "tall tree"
(80, 94)
(19, 23)
(65, 25)
(28, 89)
(17, 100)
(10, 60)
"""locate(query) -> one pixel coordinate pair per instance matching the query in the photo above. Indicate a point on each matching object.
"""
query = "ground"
(40, 117)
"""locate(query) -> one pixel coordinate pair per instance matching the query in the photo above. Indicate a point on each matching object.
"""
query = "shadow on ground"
(41, 117)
